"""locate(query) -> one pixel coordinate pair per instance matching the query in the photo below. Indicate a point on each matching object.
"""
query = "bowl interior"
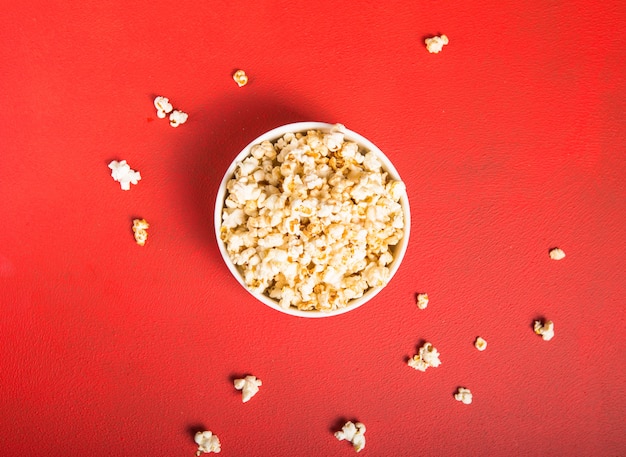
(398, 250)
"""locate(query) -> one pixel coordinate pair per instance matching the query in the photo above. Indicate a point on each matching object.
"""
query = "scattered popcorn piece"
(312, 220)
(249, 386)
(240, 78)
(354, 433)
(163, 106)
(178, 117)
(140, 227)
(436, 43)
(122, 173)
(207, 442)
(546, 330)
(557, 254)
(422, 301)
(480, 344)
(463, 395)
(426, 357)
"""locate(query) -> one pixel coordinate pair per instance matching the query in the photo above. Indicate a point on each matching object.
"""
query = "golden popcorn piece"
(463, 395)
(249, 386)
(435, 44)
(178, 117)
(163, 106)
(240, 78)
(422, 300)
(557, 254)
(480, 344)
(140, 227)
(544, 329)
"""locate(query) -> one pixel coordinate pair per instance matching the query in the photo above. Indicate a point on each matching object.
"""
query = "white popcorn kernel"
(122, 173)
(463, 395)
(480, 344)
(435, 44)
(426, 357)
(422, 300)
(177, 118)
(557, 254)
(163, 106)
(207, 442)
(140, 227)
(545, 330)
(334, 139)
(354, 433)
(249, 386)
(240, 78)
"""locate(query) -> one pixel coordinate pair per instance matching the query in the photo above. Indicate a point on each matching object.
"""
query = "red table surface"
(511, 141)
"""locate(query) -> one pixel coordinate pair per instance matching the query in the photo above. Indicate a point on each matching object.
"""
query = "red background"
(511, 141)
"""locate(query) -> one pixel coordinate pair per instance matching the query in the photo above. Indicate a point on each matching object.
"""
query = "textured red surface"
(511, 141)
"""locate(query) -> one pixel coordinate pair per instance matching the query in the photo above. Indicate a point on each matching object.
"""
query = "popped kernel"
(240, 78)
(480, 344)
(422, 300)
(557, 254)
(249, 386)
(178, 117)
(435, 44)
(122, 173)
(463, 395)
(545, 330)
(426, 357)
(207, 442)
(354, 433)
(140, 227)
(163, 106)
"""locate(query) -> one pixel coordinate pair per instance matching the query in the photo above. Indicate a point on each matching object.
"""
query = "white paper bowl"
(364, 144)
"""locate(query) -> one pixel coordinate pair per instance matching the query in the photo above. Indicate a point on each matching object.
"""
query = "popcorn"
(139, 229)
(463, 395)
(480, 344)
(421, 300)
(320, 216)
(163, 106)
(178, 117)
(435, 44)
(546, 330)
(354, 433)
(240, 78)
(122, 173)
(426, 357)
(557, 254)
(249, 386)
(207, 442)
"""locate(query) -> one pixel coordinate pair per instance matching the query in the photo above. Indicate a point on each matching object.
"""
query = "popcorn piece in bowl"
(240, 78)
(421, 300)
(426, 357)
(178, 117)
(140, 227)
(545, 330)
(207, 442)
(463, 395)
(163, 106)
(557, 254)
(354, 433)
(435, 44)
(122, 173)
(249, 386)
(480, 344)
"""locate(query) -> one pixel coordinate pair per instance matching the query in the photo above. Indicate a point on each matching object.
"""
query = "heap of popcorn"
(311, 220)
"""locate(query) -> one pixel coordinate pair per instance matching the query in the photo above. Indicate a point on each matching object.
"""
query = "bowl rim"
(301, 127)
